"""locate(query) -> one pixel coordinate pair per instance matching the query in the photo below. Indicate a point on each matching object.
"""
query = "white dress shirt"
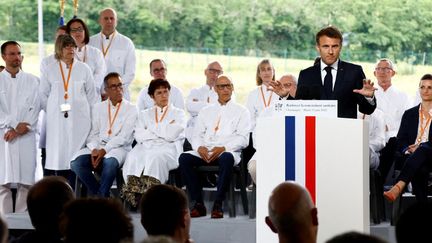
(393, 103)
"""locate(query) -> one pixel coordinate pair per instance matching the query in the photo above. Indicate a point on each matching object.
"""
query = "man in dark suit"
(333, 79)
(415, 142)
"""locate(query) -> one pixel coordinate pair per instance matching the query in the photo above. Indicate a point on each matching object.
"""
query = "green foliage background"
(372, 28)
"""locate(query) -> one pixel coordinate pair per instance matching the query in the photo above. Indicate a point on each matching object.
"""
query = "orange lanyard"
(422, 128)
(216, 128)
(262, 95)
(163, 115)
(65, 82)
(85, 55)
(111, 122)
(105, 51)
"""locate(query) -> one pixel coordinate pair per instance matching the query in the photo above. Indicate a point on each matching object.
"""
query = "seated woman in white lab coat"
(159, 133)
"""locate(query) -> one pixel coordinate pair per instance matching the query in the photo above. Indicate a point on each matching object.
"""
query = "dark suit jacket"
(408, 129)
(349, 77)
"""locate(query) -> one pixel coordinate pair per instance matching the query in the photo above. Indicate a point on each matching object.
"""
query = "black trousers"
(187, 164)
(416, 170)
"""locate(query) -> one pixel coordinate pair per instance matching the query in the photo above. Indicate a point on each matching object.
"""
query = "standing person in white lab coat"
(19, 110)
(87, 54)
(110, 139)
(221, 132)
(67, 92)
(158, 70)
(159, 133)
(117, 49)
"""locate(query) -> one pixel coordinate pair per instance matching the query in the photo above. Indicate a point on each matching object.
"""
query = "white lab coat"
(66, 136)
(159, 145)
(255, 102)
(18, 103)
(233, 129)
(95, 60)
(377, 139)
(119, 58)
(196, 100)
(118, 144)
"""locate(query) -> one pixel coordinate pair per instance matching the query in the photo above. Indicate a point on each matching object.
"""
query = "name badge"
(65, 107)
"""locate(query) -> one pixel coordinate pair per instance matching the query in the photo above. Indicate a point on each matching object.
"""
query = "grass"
(186, 70)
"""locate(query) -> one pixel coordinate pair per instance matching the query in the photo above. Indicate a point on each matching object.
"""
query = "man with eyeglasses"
(198, 98)
(109, 141)
(19, 109)
(221, 132)
(158, 70)
(117, 49)
(393, 103)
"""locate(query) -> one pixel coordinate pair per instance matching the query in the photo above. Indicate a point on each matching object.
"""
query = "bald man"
(221, 132)
(292, 214)
(117, 49)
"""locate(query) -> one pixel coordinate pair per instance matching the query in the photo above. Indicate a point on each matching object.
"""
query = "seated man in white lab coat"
(109, 141)
(221, 132)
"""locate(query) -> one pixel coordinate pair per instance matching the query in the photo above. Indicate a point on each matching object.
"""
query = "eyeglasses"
(223, 86)
(215, 71)
(79, 29)
(115, 86)
(383, 69)
(156, 70)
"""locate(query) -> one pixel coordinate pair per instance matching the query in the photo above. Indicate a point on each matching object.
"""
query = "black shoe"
(217, 211)
(198, 210)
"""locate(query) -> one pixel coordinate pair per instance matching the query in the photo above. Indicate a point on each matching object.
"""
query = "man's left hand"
(367, 90)
(215, 152)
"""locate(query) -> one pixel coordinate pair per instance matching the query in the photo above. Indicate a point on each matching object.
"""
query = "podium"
(328, 156)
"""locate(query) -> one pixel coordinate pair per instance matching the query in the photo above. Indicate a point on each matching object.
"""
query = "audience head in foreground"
(90, 220)
(292, 214)
(355, 237)
(45, 201)
(415, 223)
(164, 211)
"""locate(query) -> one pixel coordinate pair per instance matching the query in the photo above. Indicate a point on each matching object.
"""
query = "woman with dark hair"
(67, 92)
(160, 136)
(85, 53)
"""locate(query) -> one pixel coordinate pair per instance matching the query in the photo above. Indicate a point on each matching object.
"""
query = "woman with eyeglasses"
(67, 92)
(87, 54)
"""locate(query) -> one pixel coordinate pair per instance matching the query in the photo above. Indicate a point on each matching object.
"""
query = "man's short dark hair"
(45, 202)
(95, 220)
(162, 209)
(156, 84)
(109, 76)
(156, 60)
(329, 31)
(6, 44)
(87, 33)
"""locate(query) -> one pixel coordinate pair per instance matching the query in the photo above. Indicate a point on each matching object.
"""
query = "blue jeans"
(84, 170)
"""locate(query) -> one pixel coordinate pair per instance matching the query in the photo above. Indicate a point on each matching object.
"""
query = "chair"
(81, 190)
(239, 172)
